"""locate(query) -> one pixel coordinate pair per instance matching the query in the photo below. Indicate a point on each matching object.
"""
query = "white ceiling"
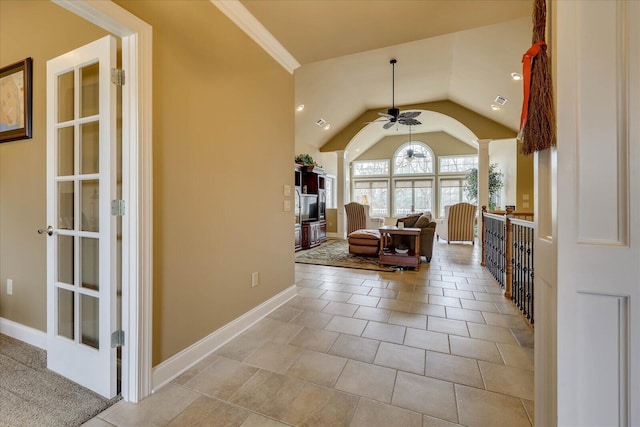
(461, 50)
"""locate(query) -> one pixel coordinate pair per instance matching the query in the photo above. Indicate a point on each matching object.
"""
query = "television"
(309, 207)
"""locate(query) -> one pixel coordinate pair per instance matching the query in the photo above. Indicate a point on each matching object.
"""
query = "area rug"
(336, 254)
(32, 395)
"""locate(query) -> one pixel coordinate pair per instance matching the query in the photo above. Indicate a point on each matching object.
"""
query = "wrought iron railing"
(507, 253)
(494, 240)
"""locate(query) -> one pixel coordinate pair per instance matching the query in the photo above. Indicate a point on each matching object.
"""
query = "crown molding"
(248, 23)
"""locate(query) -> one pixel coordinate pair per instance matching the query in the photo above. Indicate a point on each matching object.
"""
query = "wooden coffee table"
(390, 257)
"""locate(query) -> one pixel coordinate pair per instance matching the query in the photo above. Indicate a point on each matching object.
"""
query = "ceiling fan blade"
(376, 121)
(388, 116)
(388, 125)
(422, 155)
(409, 114)
(409, 122)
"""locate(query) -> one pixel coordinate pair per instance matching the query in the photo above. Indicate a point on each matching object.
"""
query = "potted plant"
(495, 184)
(306, 160)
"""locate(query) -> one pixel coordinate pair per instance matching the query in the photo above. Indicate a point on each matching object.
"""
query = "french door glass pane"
(89, 148)
(65, 205)
(89, 87)
(89, 326)
(65, 151)
(66, 313)
(65, 97)
(89, 263)
(65, 259)
(90, 215)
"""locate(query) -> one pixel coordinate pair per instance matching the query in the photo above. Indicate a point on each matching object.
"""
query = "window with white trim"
(413, 158)
(329, 184)
(412, 195)
(452, 191)
(374, 193)
(371, 168)
(457, 164)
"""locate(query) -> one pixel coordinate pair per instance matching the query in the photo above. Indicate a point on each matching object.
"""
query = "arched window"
(413, 158)
(413, 193)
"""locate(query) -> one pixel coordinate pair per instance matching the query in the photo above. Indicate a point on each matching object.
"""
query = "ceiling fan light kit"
(393, 115)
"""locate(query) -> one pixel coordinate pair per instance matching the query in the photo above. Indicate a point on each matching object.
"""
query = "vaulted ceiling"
(460, 50)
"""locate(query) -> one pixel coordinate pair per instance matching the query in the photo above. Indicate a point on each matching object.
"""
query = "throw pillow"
(409, 222)
(422, 222)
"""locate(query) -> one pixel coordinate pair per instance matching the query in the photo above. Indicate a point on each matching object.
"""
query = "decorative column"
(483, 173)
(342, 192)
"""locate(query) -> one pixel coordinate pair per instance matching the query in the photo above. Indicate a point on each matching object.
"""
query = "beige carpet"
(33, 396)
(336, 253)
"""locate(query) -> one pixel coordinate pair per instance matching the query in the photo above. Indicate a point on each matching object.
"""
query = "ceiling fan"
(410, 153)
(393, 114)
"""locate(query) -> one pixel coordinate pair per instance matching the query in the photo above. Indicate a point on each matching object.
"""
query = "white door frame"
(137, 238)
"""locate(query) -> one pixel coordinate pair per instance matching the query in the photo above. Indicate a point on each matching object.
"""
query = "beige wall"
(440, 142)
(41, 30)
(525, 183)
(223, 149)
(482, 127)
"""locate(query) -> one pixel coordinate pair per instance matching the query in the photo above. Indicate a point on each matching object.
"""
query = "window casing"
(329, 185)
(420, 164)
(452, 191)
(412, 195)
(363, 168)
(374, 193)
(457, 164)
(402, 185)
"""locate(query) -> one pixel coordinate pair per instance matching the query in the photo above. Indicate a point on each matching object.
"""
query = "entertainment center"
(310, 212)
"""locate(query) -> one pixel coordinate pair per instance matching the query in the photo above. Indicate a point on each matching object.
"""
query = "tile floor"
(438, 347)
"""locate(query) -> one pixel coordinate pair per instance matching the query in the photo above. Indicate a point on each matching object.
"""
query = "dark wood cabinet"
(310, 202)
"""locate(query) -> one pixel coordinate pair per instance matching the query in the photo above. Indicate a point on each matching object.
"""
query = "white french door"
(81, 247)
(598, 194)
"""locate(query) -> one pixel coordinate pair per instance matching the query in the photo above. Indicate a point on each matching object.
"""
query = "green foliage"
(305, 159)
(495, 184)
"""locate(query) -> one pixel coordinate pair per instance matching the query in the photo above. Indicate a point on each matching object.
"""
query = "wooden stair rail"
(509, 252)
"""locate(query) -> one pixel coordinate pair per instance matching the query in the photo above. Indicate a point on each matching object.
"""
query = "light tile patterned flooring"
(438, 347)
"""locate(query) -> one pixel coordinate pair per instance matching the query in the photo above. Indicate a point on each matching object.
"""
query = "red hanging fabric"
(527, 62)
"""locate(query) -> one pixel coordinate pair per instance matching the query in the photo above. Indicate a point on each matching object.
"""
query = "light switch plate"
(525, 205)
(287, 205)
(525, 197)
(287, 190)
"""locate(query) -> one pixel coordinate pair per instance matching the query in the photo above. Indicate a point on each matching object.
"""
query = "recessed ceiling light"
(495, 107)
(516, 76)
(320, 122)
(327, 126)
(300, 107)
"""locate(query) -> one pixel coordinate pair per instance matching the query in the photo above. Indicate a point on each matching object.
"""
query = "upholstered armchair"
(362, 230)
(457, 224)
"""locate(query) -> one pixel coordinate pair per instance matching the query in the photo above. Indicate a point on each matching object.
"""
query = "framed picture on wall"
(15, 101)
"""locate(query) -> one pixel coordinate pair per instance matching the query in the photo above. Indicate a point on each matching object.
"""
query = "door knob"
(48, 230)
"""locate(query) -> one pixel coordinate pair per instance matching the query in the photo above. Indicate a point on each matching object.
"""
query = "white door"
(81, 249)
(598, 159)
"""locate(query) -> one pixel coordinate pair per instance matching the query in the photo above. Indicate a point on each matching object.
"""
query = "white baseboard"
(334, 236)
(24, 333)
(180, 362)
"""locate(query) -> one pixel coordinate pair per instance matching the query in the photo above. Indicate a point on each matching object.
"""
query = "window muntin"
(452, 191)
(411, 196)
(371, 168)
(403, 165)
(457, 164)
(373, 193)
